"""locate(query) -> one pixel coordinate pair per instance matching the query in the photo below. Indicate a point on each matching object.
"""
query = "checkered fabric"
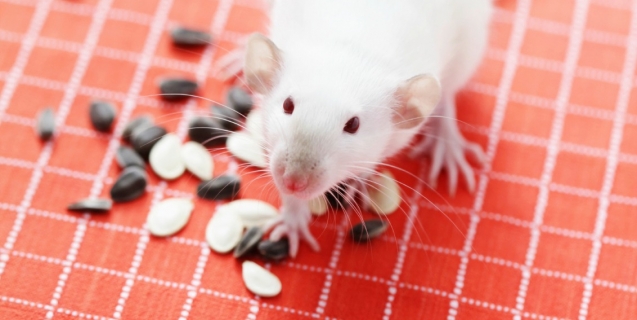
(551, 232)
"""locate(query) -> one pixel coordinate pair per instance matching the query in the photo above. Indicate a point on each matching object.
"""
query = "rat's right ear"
(416, 99)
(262, 63)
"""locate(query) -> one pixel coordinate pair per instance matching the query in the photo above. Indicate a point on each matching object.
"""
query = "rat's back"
(406, 37)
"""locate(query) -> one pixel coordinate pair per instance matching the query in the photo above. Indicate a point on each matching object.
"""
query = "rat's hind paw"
(449, 150)
(296, 227)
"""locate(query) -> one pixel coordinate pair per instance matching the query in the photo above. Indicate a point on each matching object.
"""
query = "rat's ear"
(262, 63)
(416, 99)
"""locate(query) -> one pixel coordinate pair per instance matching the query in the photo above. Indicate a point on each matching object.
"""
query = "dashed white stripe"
(502, 99)
(11, 84)
(563, 96)
(218, 24)
(333, 264)
(154, 35)
(28, 43)
(623, 99)
(402, 249)
(85, 55)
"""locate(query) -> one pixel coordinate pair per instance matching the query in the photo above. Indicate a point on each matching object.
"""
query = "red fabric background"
(550, 234)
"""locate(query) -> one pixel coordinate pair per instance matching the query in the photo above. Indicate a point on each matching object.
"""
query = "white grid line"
(521, 14)
(335, 256)
(623, 99)
(150, 46)
(563, 96)
(7, 93)
(218, 24)
(402, 249)
(84, 58)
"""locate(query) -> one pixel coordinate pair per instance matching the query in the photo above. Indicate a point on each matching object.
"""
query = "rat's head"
(329, 117)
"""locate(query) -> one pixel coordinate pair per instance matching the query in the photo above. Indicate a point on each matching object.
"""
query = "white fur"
(342, 58)
(345, 58)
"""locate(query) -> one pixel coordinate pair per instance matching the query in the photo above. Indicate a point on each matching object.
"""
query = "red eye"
(352, 125)
(288, 106)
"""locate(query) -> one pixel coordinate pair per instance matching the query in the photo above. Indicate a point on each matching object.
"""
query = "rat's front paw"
(448, 149)
(296, 227)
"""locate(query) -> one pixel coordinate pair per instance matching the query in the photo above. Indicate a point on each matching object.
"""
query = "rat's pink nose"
(295, 184)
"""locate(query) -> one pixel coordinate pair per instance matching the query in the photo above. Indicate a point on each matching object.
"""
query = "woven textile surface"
(550, 233)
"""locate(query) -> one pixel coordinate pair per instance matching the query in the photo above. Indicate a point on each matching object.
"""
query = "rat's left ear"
(262, 63)
(416, 100)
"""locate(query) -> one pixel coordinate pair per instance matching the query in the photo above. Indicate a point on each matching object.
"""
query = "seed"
(182, 36)
(384, 194)
(367, 230)
(177, 88)
(254, 123)
(102, 115)
(335, 197)
(197, 160)
(143, 140)
(247, 148)
(274, 250)
(127, 157)
(165, 157)
(169, 216)
(252, 212)
(259, 280)
(240, 100)
(139, 123)
(45, 125)
(220, 188)
(95, 205)
(130, 185)
(223, 231)
(318, 206)
(248, 242)
(226, 117)
(207, 131)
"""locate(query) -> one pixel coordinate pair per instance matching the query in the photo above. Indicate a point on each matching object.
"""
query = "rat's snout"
(295, 182)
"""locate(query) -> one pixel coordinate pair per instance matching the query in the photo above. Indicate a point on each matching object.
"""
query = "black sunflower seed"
(143, 140)
(226, 117)
(207, 131)
(335, 197)
(138, 123)
(248, 242)
(127, 157)
(220, 188)
(274, 250)
(102, 115)
(130, 185)
(240, 100)
(94, 205)
(177, 88)
(186, 37)
(45, 125)
(367, 230)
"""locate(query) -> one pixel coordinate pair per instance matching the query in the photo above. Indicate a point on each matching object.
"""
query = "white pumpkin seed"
(254, 123)
(259, 280)
(252, 212)
(247, 148)
(224, 231)
(318, 206)
(165, 157)
(169, 216)
(197, 160)
(384, 193)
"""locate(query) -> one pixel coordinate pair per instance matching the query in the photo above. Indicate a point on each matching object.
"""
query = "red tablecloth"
(550, 233)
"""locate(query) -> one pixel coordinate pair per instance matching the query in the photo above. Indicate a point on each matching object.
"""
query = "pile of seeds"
(236, 226)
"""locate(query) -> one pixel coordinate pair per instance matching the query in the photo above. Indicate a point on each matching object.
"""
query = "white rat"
(349, 83)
